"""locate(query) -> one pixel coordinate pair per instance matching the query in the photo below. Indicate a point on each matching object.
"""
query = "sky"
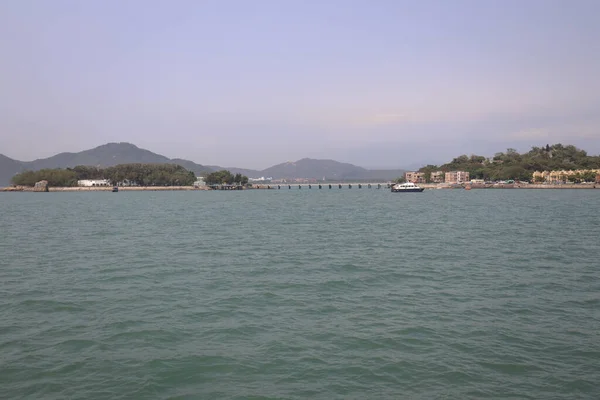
(378, 83)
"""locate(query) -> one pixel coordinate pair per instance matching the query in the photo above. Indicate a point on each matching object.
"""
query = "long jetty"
(289, 186)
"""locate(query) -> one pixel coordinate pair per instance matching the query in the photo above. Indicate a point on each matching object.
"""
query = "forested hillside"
(512, 165)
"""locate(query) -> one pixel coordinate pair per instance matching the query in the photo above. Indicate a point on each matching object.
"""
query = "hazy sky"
(252, 83)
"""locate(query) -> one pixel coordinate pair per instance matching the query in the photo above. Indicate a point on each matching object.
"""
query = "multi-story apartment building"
(415, 177)
(437, 177)
(457, 177)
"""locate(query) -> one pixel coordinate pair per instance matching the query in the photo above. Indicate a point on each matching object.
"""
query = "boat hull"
(411, 190)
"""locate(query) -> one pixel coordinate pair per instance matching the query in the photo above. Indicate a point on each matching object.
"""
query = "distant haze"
(385, 84)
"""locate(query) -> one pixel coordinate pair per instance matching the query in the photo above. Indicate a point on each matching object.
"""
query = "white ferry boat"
(406, 187)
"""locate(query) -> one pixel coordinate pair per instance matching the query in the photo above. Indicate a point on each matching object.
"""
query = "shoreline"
(565, 186)
(102, 189)
(427, 186)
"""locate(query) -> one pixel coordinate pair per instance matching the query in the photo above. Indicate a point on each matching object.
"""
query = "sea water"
(300, 294)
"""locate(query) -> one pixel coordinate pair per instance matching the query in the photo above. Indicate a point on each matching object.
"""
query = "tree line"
(225, 177)
(132, 174)
(512, 165)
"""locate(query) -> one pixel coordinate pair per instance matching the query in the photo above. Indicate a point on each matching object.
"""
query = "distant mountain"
(107, 155)
(198, 169)
(251, 173)
(111, 154)
(8, 168)
(310, 168)
(318, 169)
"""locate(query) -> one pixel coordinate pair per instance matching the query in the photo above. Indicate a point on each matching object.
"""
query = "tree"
(512, 165)
(137, 174)
(55, 177)
(588, 176)
(150, 175)
(224, 177)
(427, 170)
(477, 159)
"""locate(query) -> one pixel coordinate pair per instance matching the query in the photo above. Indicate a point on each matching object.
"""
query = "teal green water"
(300, 294)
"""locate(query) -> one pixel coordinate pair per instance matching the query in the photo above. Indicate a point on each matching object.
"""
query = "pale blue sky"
(254, 83)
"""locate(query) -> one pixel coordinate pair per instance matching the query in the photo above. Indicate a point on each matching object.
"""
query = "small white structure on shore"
(93, 182)
(199, 182)
(261, 179)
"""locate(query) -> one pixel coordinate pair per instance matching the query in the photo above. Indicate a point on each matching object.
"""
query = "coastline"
(511, 186)
(102, 189)
(271, 187)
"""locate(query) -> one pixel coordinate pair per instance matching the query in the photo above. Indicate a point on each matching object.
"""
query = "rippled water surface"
(300, 294)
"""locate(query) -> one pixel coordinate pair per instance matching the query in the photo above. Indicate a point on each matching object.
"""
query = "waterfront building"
(437, 177)
(457, 177)
(415, 177)
(93, 182)
(199, 182)
(561, 176)
(541, 176)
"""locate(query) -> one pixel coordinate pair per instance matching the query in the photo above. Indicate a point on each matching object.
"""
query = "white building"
(261, 179)
(199, 182)
(93, 182)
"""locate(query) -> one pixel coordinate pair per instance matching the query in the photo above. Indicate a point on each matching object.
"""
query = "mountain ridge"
(105, 155)
(113, 153)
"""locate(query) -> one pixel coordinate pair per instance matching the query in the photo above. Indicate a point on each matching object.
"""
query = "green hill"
(513, 165)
